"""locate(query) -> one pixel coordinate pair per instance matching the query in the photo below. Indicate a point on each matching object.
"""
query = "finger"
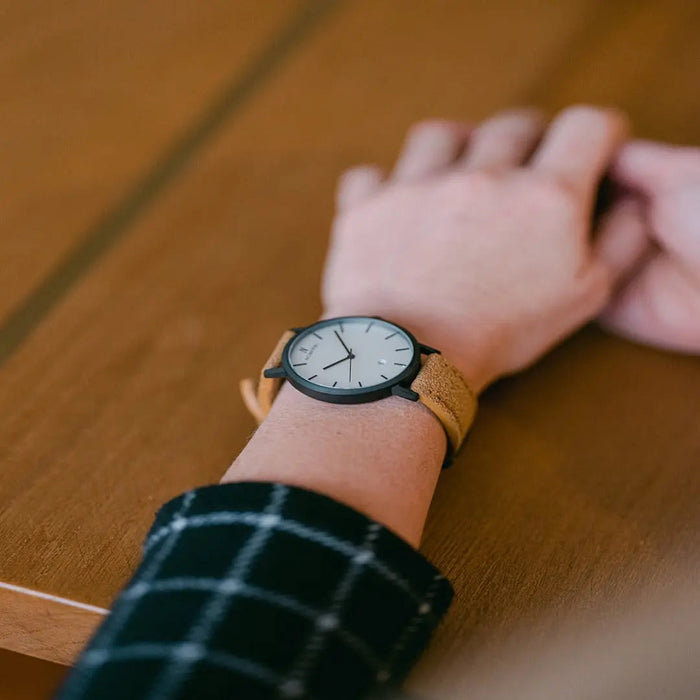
(358, 184)
(652, 167)
(506, 140)
(579, 146)
(623, 240)
(660, 306)
(430, 147)
(669, 179)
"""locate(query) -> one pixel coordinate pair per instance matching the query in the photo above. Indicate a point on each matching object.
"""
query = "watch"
(358, 359)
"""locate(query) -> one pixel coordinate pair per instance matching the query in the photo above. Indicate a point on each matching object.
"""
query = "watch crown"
(275, 373)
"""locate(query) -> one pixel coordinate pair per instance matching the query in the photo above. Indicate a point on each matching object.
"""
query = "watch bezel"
(349, 396)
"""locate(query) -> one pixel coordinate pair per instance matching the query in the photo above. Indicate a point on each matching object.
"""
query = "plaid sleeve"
(257, 590)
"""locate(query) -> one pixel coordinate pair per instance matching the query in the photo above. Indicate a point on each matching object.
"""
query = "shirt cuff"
(293, 593)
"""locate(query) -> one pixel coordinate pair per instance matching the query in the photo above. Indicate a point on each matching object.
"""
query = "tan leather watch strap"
(259, 396)
(444, 391)
(439, 385)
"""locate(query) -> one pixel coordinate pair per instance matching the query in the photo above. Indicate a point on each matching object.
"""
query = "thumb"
(653, 168)
(668, 177)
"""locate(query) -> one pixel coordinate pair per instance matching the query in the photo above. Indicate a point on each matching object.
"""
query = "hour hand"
(337, 362)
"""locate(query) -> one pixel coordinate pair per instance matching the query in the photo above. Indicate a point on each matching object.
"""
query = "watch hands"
(347, 350)
(337, 362)
(349, 357)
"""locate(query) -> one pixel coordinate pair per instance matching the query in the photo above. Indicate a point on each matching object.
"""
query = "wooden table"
(166, 188)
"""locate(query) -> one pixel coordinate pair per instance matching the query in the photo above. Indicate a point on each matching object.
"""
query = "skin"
(652, 237)
(480, 243)
(487, 260)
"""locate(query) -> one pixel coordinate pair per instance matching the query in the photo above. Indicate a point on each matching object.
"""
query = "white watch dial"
(352, 353)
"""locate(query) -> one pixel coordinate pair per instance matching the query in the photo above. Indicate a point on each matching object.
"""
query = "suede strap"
(442, 388)
(439, 385)
(258, 396)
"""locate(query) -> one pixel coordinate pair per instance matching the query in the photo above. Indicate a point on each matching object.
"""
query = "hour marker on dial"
(345, 354)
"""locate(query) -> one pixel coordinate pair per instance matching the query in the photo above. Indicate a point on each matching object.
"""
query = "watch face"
(351, 359)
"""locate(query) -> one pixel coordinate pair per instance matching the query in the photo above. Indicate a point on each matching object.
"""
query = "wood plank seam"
(100, 238)
(53, 598)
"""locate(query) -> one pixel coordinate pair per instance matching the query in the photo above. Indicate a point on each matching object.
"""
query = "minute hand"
(347, 349)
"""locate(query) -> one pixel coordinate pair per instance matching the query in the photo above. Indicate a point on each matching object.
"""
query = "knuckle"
(476, 182)
(426, 126)
(593, 116)
(434, 129)
(554, 190)
(524, 117)
(361, 170)
(581, 111)
(348, 174)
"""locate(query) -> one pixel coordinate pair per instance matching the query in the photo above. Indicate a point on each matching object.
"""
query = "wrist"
(381, 458)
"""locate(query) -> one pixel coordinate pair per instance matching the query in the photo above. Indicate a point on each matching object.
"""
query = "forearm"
(381, 458)
(351, 596)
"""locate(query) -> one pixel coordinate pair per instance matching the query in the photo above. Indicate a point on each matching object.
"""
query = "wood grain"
(92, 96)
(579, 483)
(38, 626)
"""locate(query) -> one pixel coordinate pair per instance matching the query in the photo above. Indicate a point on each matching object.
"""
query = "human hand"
(479, 243)
(652, 235)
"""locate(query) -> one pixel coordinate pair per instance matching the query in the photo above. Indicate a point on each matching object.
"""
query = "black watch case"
(396, 386)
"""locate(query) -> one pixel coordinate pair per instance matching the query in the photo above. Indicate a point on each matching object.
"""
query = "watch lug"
(275, 373)
(298, 329)
(427, 350)
(404, 392)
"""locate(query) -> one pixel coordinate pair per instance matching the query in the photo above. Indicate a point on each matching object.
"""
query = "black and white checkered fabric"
(259, 590)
